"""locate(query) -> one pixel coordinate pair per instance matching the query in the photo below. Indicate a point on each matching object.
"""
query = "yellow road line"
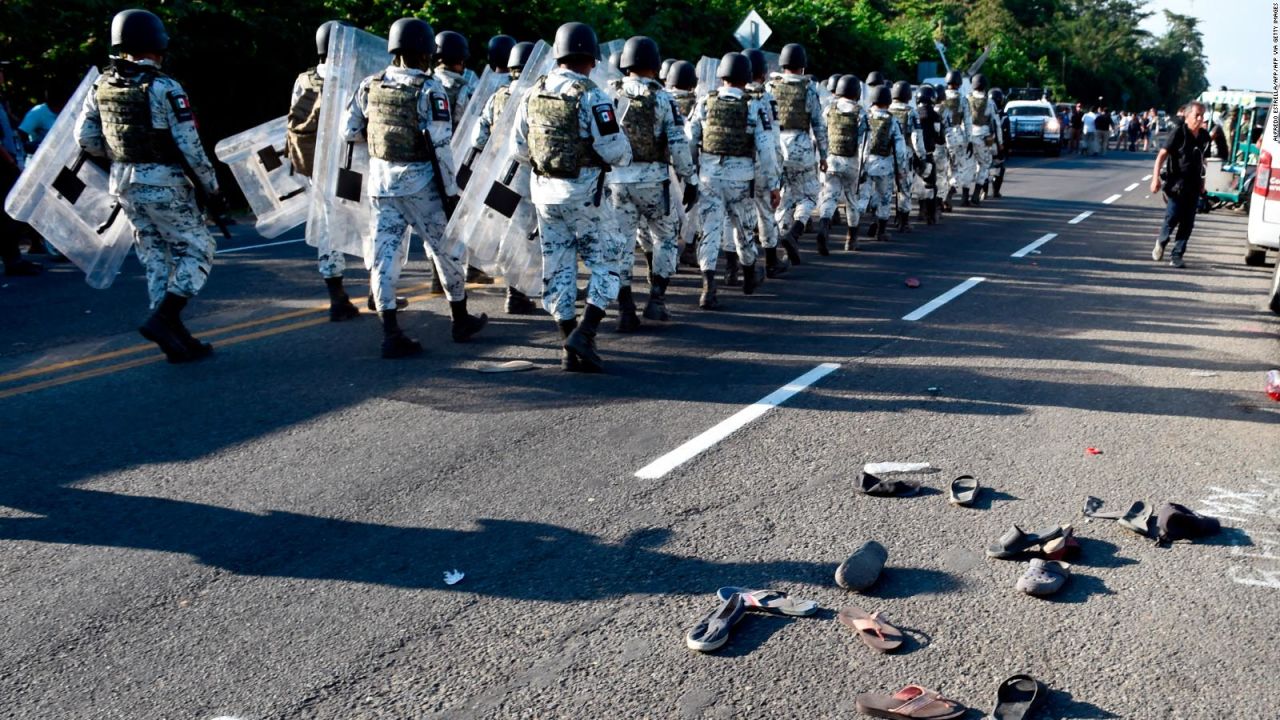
(144, 347)
(157, 357)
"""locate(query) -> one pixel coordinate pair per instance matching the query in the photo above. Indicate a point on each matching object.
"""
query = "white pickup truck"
(1033, 124)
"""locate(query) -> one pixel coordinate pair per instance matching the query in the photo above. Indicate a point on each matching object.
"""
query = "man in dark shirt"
(1102, 124)
(1077, 127)
(1182, 181)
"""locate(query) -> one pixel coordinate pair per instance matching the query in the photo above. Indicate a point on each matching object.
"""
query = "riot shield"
(489, 82)
(257, 160)
(606, 73)
(339, 215)
(707, 80)
(64, 197)
(494, 217)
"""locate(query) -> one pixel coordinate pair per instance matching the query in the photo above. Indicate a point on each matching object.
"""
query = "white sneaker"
(1157, 252)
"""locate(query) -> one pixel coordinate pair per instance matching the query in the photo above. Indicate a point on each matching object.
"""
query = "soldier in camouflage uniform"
(736, 147)
(452, 52)
(958, 124)
(141, 120)
(641, 191)
(986, 135)
(935, 153)
(909, 123)
(682, 79)
(767, 227)
(567, 131)
(847, 127)
(517, 302)
(804, 145)
(883, 159)
(403, 113)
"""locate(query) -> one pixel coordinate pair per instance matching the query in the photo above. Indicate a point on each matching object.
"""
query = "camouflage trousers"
(962, 169)
(799, 195)
(902, 184)
(942, 165)
(332, 263)
(567, 233)
(982, 153)
(877, 192)
(170, 237)
(393, 217)
(645, 212)
(726, 206)
(841, 186)
(766, 226)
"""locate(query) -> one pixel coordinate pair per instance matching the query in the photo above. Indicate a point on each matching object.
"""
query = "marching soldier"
(1002, 150)
(141, 120)
(935, 152)
(883, 160)
(847, 127)
(452, 52)
(403, 114)
(986, 134)
(909, 123)
(568, 132)
(736, 147)
(804, 145)
(959, 129)
(682, 80)
(758, 90)
(641, 191)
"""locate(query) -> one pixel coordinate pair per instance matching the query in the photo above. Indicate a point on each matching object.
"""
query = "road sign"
(753, 32)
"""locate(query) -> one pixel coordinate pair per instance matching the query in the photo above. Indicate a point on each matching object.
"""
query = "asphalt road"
(265, 534)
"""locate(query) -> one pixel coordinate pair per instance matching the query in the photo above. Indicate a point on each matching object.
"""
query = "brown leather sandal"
(872, 629)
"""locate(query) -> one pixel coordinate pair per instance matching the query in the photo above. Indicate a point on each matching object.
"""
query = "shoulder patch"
(439, 107)
(675, 114)
(606, 119)
(181, 107)
(773, 105)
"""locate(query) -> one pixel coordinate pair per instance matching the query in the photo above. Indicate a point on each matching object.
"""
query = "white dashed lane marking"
(1031, 248)
(1079, 218)
(943, 299)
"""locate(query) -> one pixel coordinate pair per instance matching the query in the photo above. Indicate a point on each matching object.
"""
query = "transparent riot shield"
(707, 80)
(773, 62)
(63, 195)
(339, 214)
(259, 164)
(489, 82)
(494, 212)
(606, 74)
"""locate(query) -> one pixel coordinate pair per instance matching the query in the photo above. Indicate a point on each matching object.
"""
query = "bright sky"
(1237, 38)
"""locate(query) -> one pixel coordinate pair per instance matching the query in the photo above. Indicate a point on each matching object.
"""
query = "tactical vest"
(978, 109)
(556, 146)
(641, 126)
(303, 121)
(686, 100)
(842, 131)
(902, 115)
(931, 124)
(453, 90)
(124, 104)
(725, 130)
(952, 104)
(793, 111)
(881, 144)
(394, 132)
(500, 97)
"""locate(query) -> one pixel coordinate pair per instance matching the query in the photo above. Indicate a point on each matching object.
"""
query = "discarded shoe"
(711, 632)
(1044, 577)
(773, 602)
(863, 567)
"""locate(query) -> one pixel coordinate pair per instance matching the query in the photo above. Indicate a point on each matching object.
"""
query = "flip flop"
(711, 632)
(1137, 518)
(963, 490)
(1015, 542)
(506, 367)
(872, 485)
(863, 567)
(1044, 577)
(872, 629)
(1017, 697)
(912, 701)
(1063, 546)
(773, 602)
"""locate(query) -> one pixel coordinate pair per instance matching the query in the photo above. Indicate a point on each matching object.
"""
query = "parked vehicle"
(1229, 175)
(1034, 124)
(1264, 208)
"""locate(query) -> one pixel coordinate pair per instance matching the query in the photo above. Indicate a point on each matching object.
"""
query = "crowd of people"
(1095, 130)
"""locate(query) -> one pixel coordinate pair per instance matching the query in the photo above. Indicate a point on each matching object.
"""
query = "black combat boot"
(582, 341)
(977, 195)
(395, 344)
(752, 277)
(904, 221)
(518, 303)
(436, 287)
(791, 242)
(196, 349)
(159, 328)
(731, 267)
(689, 255)
(465, 324)
(773, 265)
(986, 189)
(881, 235)
(946, 201)
(964, 197)
(628, 321)
(851, 238)
(340, 307)
(708, 300)
(568, 360)
(824, 227)
(648, 263)
(656, 308)
(478, 276)
(995, 186)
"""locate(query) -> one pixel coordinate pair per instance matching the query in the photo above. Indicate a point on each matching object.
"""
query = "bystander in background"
(1179, 171)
